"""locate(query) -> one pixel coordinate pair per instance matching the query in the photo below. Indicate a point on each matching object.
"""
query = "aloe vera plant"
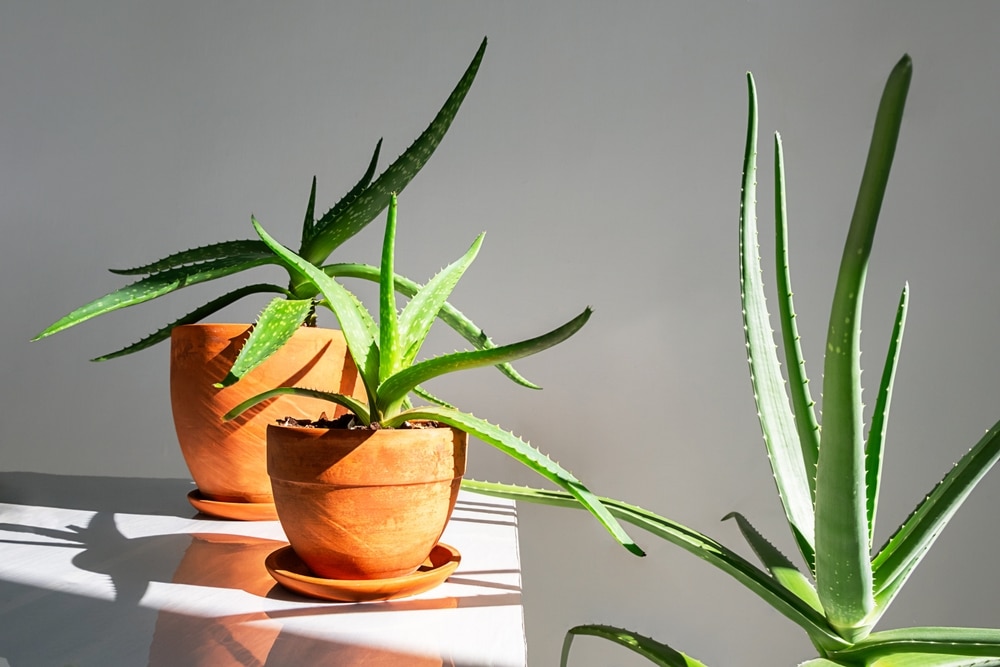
(828, 475)
(293, 305)
(385, 353)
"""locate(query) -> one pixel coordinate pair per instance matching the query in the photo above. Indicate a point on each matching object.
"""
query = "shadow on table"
(128, 623)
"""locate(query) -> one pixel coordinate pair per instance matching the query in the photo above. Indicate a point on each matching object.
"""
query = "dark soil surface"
(348, 421)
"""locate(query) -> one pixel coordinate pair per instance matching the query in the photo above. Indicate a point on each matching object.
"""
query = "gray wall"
(601, 148)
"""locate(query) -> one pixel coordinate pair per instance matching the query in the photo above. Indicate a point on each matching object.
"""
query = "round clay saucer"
(237, 511)
(289, 571)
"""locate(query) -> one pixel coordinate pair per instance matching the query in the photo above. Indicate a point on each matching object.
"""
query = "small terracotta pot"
(227, 459)
(361, 504)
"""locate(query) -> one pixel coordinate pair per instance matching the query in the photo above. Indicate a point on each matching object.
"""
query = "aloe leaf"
(843, 569)
(523, 453)
(820, 662)
(656, 652)
(798, 382)
(154, 286)
(695, 543)
(225, 250)
(773, 410)
(880, 418)
(275, 325)
(949, 644)
(332, 230)
(431, 398)
(391, 356)
(448, 313)
(931, 660)
(355, 322)
(194, 316)
(896, 560)
(359, 187)
(401, 383)
(419, 314)
(359, 409)
(310, 220)
(780, 567)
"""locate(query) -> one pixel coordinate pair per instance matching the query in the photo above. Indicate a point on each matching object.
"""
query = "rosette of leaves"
(385, 353)
(828, 479)
(293, 305)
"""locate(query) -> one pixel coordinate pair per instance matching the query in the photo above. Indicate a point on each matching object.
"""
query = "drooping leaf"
(780, 567)
(798, 382)
(931, 646)
(773, 410)
(360, 331)
(419, 314)
(194, 316)
(331, 231)
(448, 313)
(156, 285)
(656, 652)
(275, 325)
(695, 543)
(401, 383)
(880, 417)
(523, 453)
(843, 568)
(225, 250)
(359, 409)
(897, 559)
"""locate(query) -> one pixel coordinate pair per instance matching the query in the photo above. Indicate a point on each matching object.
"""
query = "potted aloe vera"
(369, 496)
(208, 361)
(828, 478)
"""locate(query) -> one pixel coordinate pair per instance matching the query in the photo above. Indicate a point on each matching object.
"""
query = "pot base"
(288, 570)
(235, 511)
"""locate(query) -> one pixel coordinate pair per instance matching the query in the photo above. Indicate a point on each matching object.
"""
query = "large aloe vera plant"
(385, 353)
(293, 305)
(828, 474)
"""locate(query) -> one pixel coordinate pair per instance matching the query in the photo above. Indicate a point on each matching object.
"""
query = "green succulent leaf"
(275, 325)
(226, 250)
(448, 313)
(906, 548)
(948, 644)
(523, 453)
(431, 398)
(359, 409)
(656, 652)
(880, 418)
(402, 383)
(310, 219)
(776, 420)
(338, 226)
(154, 286)
(798, 382)
(820, 662)
(695, 543)
(194, 316)
(391, 357)
(419, 314)
(345, 201)
(843, 569)
(931, 660)
(780, 567)
(360, 331)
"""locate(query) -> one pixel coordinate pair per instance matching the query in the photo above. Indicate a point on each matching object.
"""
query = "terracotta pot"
(227, 459)
(360, 504)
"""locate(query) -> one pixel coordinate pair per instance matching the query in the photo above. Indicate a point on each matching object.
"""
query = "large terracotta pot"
(227, 459)
(362, 504)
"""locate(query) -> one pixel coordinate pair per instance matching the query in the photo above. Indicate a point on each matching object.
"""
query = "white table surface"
(119, 571)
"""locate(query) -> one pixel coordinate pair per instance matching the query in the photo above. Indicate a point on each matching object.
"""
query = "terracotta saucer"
(289, 571)
(237, 511)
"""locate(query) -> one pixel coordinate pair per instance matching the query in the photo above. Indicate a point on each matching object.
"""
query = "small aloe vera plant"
(319, 238)
(828, 476)
(385, 353)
